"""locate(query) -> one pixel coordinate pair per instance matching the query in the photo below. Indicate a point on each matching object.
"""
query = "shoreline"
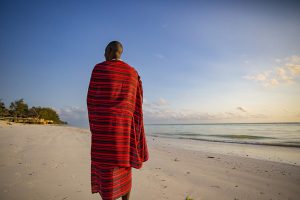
(228, 123)
(281, 154)
(233, 142)
(284, 154)
(53, 162)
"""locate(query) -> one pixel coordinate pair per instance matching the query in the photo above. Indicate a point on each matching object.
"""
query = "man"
(114, 102)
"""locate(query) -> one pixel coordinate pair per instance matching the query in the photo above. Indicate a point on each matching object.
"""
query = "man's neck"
(116, 59)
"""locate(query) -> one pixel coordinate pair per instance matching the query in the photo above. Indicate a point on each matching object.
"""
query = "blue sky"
(200, 61)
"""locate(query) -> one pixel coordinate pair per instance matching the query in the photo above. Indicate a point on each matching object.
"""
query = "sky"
(200, 61)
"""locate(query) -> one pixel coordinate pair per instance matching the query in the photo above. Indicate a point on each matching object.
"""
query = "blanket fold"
(114, 102)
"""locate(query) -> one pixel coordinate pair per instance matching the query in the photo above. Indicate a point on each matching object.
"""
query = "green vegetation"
(3, 111)
(19, 111)
(188, 198)
(18, 108)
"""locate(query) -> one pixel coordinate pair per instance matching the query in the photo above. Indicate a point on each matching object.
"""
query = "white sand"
(53, 162)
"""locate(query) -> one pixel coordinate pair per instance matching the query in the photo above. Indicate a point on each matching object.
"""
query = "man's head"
(113, 50)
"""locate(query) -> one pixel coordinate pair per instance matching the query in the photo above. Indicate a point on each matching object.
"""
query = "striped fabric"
(114, 102)
(111, 183)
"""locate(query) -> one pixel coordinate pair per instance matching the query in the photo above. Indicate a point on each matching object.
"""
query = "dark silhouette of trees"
(3, 109)
(48, 114)
(19, 109)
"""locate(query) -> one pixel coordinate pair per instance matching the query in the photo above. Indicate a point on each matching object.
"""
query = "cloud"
(287, 73)
(160, 56)
(293, 59)
(247, 62)
(74, 115)
(241, 109)
(277, 60)
(160, 102)
(161, 111)
(294, 69)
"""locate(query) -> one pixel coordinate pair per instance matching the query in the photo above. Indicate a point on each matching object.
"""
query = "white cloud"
(277, 60)
(160, 56)
(74, 115)
(72, 112)
(161, 102)
(294, 69)
(285, 74)
(293, 59)
(162, 112)
(247, 62)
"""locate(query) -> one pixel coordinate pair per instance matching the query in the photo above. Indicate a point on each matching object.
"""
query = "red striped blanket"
(114, 101)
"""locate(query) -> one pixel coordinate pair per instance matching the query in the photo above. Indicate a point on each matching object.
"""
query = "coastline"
(281, 154)
(234, 142)
(53, 162)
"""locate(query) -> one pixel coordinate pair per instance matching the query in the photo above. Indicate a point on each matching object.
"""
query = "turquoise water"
(277, 134)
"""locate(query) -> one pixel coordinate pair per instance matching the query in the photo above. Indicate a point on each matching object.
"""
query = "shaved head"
(113, 50)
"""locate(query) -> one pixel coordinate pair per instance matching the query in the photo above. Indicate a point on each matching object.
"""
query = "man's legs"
(126, 196)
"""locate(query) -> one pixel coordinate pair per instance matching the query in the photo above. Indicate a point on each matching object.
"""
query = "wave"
(231, 136)
(251, 142)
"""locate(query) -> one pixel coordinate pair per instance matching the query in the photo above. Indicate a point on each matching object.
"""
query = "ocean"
(275, 134)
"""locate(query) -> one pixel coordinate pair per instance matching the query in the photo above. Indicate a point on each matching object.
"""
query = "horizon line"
(222, 123)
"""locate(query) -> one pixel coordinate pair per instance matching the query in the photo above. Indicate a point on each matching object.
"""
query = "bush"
(19, 108)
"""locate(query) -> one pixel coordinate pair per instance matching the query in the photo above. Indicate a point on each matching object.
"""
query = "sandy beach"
(53, 162)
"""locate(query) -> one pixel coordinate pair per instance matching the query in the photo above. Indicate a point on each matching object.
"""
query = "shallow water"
(277, 134)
